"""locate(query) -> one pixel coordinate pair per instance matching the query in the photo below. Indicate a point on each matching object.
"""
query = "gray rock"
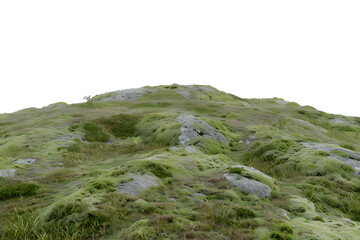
(339, 121)
(27, 161)
(250, 139)
(176, 148)
(350, 161)
(190, 149)
(138, 184)
(249, 185)
(126, 95)
(251, 169)
(7, 172)
(188, 132)
(282, 102)
(309, 124)
(184, 93)
(199, 194)
(200, 88)
(284, 213)
(349, 221)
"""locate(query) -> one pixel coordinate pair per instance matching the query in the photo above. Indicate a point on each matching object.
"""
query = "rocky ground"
(179, 162)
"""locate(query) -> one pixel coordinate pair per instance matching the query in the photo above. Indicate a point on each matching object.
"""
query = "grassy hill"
(179, 162)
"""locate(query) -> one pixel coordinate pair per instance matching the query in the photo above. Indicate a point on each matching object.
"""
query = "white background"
(303, 51)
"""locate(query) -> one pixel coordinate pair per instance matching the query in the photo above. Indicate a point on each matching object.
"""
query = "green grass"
(162, 129)
(79, 198)
(209, 146)
(13, 188)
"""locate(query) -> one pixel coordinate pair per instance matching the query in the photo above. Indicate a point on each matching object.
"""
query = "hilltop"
(179, 162)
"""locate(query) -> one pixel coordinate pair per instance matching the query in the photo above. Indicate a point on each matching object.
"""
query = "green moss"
(121, 125)
(95, 132)
(140, 230)
(309, 164)
(157, 128)
(100, 184)
(236, 170)
(158, 168)
(224, 130)
(322, 153)
(150, 105)
(275, 151)
(341, 153)
(209, 146)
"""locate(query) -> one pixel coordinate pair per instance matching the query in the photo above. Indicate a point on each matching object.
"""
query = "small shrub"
(285, 228)
(159, 170)
(348, 146)
(322, 153)
(14, 188)
(318, 218)
(73, 127)
(244, 213)
(101, 184)
(143, 206)
(121, 125)
(280, 236)
(162, 129)
(95, 132)
(302, 112)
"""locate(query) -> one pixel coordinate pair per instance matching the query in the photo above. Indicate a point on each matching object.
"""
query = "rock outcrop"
(7, 172)
(26, 161)
(353, 160)
(138, 184)
(190, 130)
(124, 95)
(249, 185)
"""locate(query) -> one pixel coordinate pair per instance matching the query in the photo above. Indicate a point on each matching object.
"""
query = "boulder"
(189, 130)
(26, 161)
(251, 169)
(249, 185)
(7, 172)
(184, 93)
(138, 184)
(353, 161)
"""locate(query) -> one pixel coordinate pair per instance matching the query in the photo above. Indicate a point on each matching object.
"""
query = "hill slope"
(179, 162)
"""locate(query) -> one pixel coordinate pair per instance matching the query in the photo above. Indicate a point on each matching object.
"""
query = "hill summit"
(179, 162)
